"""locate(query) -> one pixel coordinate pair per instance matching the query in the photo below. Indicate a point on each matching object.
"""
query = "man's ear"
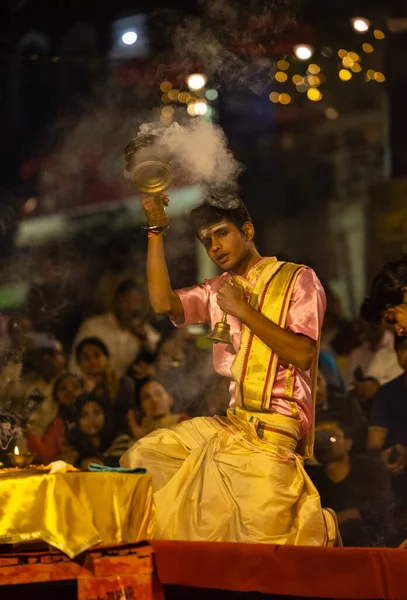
(248, 231)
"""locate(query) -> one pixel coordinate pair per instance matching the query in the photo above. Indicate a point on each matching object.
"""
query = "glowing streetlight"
(129, 38)
(360, 24)
(196, 81)
(200, 108)
(303, 51)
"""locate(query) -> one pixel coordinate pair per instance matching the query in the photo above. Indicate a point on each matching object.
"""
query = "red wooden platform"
(147, 571)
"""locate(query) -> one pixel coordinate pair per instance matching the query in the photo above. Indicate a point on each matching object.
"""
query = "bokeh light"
(345, 75)
(356, 68)
(354, 56)
(303, 51)
(211, 94)
(379, 77)
(200, 107)
(167, 111)
(314, 69)
(191, 109)
(129, 38)
(165, 86)
(281, 77)
(302, 87)
(183, 97)
(30, 205)
(314, 95)
(284, 98)
(283, 65)
(360, 24)
(166, 115)
(331, 113)
(165, 99)
(298, 79)
(274, 97)
(379, 35)
(342, 53)
(368, 48)
(314, 80)
(196, 81)
(348, 62)
(173, 94)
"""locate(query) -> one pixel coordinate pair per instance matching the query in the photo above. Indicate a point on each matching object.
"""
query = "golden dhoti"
(235, 479)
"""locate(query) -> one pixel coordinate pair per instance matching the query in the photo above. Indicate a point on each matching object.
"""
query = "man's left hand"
(231, 299)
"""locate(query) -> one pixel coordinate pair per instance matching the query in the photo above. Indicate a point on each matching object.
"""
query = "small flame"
(16, 450)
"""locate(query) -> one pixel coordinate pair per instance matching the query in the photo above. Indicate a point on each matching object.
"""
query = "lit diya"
(22, 460)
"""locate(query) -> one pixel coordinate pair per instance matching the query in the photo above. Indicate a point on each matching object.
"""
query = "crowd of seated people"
(96, 384)
(360, 456)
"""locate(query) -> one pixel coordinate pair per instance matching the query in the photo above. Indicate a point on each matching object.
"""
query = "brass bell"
(221, 332)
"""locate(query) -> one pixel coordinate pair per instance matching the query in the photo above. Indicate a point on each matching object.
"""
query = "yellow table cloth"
(74, 511)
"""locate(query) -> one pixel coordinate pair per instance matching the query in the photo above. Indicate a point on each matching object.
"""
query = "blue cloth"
(328, 365)
(389, 410)
(103, 469)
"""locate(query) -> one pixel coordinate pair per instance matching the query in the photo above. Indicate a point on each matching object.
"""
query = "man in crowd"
(333, 406)
(358, 489)
(388, 419)
(125, 331)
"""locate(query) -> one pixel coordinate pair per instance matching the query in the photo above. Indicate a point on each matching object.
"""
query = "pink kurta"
(305, 316)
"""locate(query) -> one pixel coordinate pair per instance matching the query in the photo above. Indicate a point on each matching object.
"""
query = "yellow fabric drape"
(74, 511)
(255, 364)
(233, 479)
(240, 478)
(270, 295)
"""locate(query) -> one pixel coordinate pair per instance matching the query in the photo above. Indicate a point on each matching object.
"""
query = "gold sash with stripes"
(255, 365)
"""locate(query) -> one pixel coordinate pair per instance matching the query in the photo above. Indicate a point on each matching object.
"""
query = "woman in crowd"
(93, 359)
(93, 438)
(155, 403)
(53, 443)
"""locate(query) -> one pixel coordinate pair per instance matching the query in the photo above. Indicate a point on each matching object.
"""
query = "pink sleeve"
(307, 307)
(195, 302)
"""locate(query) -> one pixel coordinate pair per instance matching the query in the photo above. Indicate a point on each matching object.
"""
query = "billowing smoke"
(230, 40)
(197, 151)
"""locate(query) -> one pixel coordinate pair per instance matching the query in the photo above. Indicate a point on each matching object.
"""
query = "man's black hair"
(128, 285)
(386, 290)
(91, 341)
(217, 208)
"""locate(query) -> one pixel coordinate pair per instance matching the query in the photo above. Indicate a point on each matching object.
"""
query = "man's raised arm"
(163, 299)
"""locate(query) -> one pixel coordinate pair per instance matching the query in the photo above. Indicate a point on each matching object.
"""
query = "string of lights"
(310, 82)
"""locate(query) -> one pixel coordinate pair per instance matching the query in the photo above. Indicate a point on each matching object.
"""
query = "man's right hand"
(154, 209)
(366, 389)
(395, 459)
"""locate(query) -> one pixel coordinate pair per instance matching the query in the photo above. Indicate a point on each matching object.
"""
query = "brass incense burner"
(148, 164)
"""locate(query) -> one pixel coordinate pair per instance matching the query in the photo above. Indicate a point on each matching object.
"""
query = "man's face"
(396, 318)
(130, 305)
(331, 445)
(225, 244)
